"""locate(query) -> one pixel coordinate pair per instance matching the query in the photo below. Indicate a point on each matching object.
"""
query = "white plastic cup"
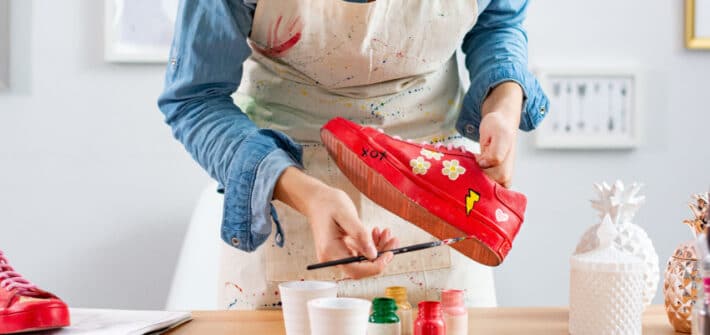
(342, 316)
(294, 299)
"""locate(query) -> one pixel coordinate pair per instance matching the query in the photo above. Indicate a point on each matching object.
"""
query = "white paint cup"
(294, 298)
(342, 316)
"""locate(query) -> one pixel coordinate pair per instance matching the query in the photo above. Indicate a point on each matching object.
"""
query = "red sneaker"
(443, 191)
(24, 307)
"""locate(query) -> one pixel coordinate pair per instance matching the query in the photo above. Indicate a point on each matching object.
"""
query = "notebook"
(119, 322)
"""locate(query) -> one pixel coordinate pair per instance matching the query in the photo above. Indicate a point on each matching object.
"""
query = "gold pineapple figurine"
(683, 279)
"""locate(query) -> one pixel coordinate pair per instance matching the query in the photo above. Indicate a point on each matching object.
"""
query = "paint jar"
(404, 308)
(455, 312)
(384, 320)
(429, 319)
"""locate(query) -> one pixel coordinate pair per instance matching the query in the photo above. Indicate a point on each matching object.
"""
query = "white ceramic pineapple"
(621, 204)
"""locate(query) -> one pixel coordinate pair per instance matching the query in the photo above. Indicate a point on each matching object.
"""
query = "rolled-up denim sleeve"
(496, 51)
(205, 68)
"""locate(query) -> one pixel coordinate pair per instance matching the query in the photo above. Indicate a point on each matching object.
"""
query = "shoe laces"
(438, 145)
(9, 279)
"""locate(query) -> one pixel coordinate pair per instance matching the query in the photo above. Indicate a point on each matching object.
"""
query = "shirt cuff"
(267, 175)
(255, 168)
(535, 103)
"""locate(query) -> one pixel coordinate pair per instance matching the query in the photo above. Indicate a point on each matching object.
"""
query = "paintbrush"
(410, 248)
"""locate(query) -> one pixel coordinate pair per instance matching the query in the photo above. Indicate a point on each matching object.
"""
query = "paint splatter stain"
(279, 42)
(415, 282)
(231, 304)
(235, 286)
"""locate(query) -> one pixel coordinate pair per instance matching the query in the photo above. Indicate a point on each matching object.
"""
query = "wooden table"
(499, 321)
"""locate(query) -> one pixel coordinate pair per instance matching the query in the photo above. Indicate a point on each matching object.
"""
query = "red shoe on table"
(441, 190)
(24, 307)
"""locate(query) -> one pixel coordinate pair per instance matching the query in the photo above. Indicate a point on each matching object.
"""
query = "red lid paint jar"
(429, 320)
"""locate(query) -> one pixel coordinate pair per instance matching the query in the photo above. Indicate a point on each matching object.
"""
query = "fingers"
(367, 268)
(500, 175)
(376, 236)
(354, 230)
(384, 241)
(494, 151)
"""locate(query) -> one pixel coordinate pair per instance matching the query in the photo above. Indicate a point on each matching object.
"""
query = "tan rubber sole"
(382, 192)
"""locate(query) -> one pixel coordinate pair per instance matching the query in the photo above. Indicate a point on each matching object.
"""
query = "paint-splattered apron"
(388, 63)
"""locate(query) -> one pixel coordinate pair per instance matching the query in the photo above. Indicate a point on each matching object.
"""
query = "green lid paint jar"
(384, 319)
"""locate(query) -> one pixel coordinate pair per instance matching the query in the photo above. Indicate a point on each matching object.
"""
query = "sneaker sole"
(34, 320)
(381, 191)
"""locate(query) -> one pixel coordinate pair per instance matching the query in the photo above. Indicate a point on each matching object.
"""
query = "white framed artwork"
(4, 44)
(590, 109)
(138, 31)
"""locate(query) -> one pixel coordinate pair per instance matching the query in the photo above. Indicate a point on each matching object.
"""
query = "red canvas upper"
(446, 182)
(24, 307)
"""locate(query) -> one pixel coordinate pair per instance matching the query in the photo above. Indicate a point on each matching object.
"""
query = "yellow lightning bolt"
(471, 200)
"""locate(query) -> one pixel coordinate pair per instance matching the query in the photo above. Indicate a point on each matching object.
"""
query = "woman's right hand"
(337, 230)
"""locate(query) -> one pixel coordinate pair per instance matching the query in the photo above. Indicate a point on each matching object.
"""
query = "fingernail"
(482, 162)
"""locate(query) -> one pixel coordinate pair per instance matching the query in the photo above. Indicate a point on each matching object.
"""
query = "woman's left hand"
(499, 127)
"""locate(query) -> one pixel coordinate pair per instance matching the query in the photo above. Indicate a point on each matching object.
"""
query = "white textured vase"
(606, 289)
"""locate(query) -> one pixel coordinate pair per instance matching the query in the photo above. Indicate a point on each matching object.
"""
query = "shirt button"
(542, 110)
(235, 241)
(470, 129)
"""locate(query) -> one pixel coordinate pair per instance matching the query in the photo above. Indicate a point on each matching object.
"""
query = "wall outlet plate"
(590, 109)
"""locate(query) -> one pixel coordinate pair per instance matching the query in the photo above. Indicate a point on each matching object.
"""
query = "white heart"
(501, 216)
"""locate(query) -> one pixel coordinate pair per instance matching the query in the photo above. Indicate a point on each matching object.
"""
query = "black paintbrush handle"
(415, 247)
(356, 259)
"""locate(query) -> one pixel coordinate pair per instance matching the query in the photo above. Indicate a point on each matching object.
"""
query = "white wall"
(95, 195)
(94, 192)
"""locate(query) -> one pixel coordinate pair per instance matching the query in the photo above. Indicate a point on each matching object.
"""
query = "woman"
(296, 64)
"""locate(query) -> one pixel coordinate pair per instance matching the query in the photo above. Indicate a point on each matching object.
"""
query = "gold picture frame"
(692, 40)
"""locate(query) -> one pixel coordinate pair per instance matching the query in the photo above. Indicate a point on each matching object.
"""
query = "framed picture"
(590, 109)
(138, 31)
(4, 44)
(697, 24)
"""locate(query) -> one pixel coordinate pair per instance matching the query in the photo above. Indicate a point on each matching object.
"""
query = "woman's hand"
(337, 230)
(499, 127)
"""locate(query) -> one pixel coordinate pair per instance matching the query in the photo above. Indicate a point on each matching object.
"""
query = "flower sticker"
(452, 169)
(419, 165)
(431, 154)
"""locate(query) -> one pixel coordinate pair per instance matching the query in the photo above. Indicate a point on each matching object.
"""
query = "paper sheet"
(119, 322)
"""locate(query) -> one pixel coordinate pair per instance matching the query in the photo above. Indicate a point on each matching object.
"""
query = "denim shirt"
(205, 68)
